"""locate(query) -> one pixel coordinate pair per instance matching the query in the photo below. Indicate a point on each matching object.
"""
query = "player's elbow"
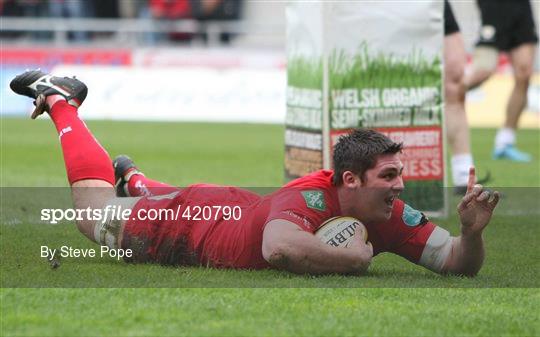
(277, 254)
(287, 256)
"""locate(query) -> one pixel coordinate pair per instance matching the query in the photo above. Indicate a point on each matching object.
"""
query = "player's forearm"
(314, 257)
(286, 246)
(467, 255)
(327, 260)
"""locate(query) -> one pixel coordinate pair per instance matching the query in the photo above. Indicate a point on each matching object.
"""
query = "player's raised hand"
(476, 207)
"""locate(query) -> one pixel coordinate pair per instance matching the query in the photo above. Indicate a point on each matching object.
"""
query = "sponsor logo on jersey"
(411, 217)
(314, 199)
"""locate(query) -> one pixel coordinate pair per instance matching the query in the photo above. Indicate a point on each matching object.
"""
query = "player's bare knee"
(454, 85)
(522, 74)
(454, 89)
(90, 194)
(86, 227)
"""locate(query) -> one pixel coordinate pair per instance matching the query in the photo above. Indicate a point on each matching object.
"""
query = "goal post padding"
(368, 64)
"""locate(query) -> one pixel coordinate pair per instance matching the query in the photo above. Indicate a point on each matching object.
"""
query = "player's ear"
(350, 179)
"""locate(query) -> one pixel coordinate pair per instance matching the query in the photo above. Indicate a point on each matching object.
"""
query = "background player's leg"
(457, 127)
(522, 59)
(88, 165)
(485, 60)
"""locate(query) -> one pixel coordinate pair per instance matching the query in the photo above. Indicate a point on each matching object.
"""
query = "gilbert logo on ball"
(338, 231)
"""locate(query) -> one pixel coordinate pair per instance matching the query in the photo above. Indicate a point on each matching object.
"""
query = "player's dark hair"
(358, 151)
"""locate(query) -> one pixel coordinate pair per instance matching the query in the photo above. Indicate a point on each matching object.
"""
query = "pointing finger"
(472, 179)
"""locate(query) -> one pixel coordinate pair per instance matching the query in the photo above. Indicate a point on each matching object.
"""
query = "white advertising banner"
(199, 94)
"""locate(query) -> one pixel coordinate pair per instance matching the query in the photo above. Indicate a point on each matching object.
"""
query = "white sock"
(461, 163)
(505, 137)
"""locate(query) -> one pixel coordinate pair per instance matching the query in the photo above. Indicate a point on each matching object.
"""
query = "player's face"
(380, 186)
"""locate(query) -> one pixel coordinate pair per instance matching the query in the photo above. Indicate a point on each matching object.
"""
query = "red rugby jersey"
(308, 202)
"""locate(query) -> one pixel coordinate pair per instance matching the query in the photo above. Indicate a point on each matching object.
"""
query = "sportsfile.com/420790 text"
(181, 212)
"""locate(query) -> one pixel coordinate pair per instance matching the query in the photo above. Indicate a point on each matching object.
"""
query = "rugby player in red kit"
(229, 227)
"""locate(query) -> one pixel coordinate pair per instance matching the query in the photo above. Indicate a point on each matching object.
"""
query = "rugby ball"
(339, 230)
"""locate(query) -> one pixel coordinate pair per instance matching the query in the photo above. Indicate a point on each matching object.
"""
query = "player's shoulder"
(315, 188)
(311, 193)
(307, 201)
(320, 178)
(405, 223)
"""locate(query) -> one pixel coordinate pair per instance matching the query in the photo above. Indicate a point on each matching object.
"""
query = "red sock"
(83, 155)
(139, 185)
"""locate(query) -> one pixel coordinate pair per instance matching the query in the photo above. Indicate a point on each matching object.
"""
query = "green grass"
(374, 71)
(105, 297)
(280, 312)
(382, 70)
